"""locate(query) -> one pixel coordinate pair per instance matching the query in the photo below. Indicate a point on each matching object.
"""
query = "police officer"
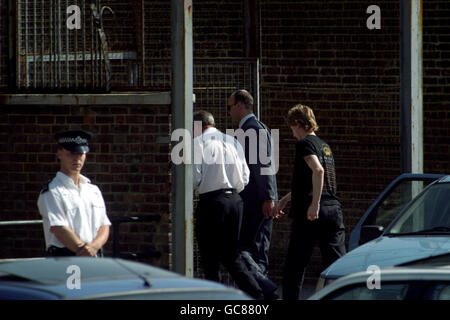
(73, 209)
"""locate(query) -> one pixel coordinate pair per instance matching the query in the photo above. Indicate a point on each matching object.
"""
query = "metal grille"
(50, 55)
(214, 81)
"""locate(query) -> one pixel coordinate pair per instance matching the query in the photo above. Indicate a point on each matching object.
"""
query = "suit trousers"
(256, 232)
(218, 221)
(328, 230)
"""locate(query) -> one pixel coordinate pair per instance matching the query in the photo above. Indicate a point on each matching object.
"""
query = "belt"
(54, 251)
(216, 193)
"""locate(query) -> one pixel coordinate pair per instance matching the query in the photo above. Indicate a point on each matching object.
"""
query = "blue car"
(421, 230)
(102, 279)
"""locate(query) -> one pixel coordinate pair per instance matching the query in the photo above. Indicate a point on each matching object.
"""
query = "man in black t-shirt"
(315, 208)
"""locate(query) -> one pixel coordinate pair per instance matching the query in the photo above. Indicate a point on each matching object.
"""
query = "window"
(388, 291)
(430, 210)
(395, 201)
(76, 45)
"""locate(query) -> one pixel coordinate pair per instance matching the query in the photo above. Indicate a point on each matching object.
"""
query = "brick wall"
(319, 53)
(436, 82)
(125, 161)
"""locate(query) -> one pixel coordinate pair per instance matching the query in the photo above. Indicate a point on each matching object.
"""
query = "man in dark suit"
(260, 194)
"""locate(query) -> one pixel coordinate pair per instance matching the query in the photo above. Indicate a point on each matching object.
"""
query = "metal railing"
(116, 222)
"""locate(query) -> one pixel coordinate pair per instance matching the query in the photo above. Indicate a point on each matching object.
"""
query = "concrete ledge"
(114, 98)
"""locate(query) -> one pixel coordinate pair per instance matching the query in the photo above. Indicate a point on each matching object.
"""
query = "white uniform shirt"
(81, 209)
(219, 162)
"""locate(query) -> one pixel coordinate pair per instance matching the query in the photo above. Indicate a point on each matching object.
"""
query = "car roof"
(108, 278)
(53, 271)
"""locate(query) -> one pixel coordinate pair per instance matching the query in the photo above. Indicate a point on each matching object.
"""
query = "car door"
(389, 203)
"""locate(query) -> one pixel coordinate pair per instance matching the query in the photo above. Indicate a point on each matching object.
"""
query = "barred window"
(77, 45)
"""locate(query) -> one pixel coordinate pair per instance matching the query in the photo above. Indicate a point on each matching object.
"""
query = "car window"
(397, 198)
(388, 291)
(430, 210)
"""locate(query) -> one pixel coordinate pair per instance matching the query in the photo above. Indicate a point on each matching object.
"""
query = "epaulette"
(46, 187)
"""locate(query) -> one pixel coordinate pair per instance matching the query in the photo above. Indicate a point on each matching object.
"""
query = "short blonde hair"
(304, 116)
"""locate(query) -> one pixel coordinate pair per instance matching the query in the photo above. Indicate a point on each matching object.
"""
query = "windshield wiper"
(435, 230)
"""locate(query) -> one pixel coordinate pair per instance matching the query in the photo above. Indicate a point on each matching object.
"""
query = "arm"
(278, 210)
(197, 166)
(317, 183)
(267, 185)
(242, 167)
(91, 248)
(51, 208)
(67, 237)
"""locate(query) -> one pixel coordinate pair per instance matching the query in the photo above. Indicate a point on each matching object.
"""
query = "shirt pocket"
(98, 215)
(98, 209)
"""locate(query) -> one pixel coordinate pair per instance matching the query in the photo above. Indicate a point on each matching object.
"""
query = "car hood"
(387, 252)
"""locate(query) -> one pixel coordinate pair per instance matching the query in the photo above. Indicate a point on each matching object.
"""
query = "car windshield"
(428, 214)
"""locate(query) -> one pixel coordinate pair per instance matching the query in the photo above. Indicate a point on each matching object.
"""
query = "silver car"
(401, 283)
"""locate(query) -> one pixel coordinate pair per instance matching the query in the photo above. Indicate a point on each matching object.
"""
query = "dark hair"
(243, 96)
(205, 117)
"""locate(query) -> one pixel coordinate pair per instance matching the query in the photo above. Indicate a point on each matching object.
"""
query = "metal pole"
(42, 43)
(257, 92)
(182, 105)
(19, 47)
(50, 58)
(26, 46)
(34, 44)
(97, 52)
(67, 49)
(141, 40)
(59, 45)
(13, 54)
(411, 95)
(92, 50)
(76, 53)
(84, 45)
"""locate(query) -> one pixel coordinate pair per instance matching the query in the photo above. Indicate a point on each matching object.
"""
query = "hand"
(277, 211)
(267, 208)
(87, 250)
(313, 212)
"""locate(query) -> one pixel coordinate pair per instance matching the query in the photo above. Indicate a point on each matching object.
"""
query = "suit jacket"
(260, 187)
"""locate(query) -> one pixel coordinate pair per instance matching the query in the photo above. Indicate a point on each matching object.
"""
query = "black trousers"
(328, 230)
(256, 232)
(218, 221)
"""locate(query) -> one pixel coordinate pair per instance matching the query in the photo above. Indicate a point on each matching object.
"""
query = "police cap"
(74, 140)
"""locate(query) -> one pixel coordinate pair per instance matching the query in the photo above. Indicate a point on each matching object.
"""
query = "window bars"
(51, 55)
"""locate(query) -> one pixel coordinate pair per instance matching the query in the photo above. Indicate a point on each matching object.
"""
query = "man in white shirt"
(73, 209)
(220, 173)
